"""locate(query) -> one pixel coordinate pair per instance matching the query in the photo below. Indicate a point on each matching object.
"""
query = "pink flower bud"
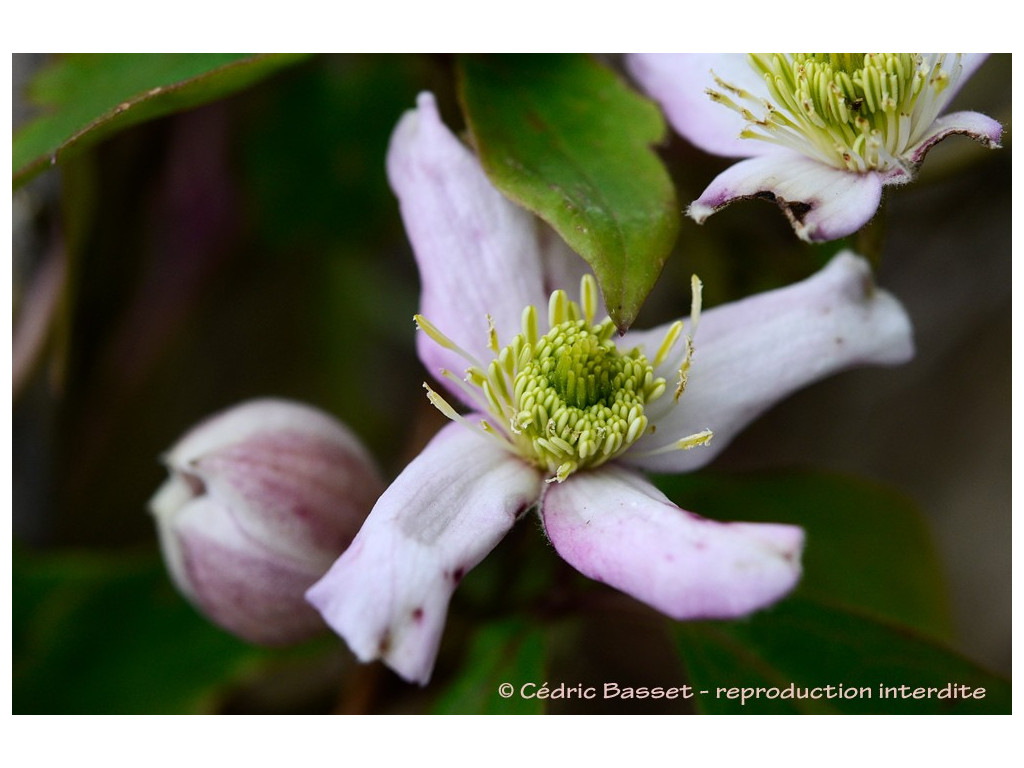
(262, 498)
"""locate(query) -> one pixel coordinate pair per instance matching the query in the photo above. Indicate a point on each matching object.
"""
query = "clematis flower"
(261, 499)
(563, 418)
(822, 133)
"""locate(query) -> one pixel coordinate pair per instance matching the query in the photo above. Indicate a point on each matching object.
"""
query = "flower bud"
(261, 499)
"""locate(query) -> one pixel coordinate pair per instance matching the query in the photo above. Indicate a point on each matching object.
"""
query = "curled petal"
(388, 594)
(477, 252)
(821, 202)
(979, 127)
(752, 353)
(679, 82)
(614, 526)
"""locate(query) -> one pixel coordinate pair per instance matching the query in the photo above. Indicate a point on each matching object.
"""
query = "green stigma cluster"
(856, 111)
(564, 400)
(578, 401)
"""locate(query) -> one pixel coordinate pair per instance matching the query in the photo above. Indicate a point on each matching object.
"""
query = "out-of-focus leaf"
(87, 97)
(870, 610)
(318, 183)
(320, 208)
(566, 138)
(795, 650)
(506, 653)
(867, 548)
(110, 635)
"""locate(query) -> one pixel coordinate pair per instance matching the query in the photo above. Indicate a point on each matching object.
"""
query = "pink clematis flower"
(563, 419)
(822, 133)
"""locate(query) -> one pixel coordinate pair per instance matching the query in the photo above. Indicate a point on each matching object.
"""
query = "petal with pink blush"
(821, 202)
(296, 479)
(679, 81)
(477, 251)
(260, 500)
(242, 585)
(751, 354)
(388, 594)
(615, 527)
(975, 125)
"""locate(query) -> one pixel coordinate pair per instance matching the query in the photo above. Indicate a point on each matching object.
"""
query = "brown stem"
(869, 242)
(359, 693)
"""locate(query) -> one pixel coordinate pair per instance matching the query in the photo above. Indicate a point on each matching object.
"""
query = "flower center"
(568, 399)
(576, 399)
(856, 111)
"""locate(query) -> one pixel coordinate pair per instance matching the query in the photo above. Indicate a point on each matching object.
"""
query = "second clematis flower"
(562, 418)
(822, 132)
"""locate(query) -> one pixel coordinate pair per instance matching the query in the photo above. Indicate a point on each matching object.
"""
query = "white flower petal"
(615, 527)
(477, 252)
(752, 353)
(388, 594)
(969, 63)
(679, 81)
(821, 202)
(979, 127)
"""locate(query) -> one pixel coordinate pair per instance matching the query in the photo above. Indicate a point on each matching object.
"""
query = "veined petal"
(752, 353)
(241, 583)
(821, 202)
(477, 252)
(979, 127)
(308, 476)
(615, 527)
(388, 594)
(679, 81)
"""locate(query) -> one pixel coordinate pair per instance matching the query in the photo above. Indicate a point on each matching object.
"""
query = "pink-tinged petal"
(752, 353)
(821, 202)
(388, 594)
(308, 476)
(477, 252)
(979, 127)
(615, 527)
(679, 83)
(260, 500)
(244, 586)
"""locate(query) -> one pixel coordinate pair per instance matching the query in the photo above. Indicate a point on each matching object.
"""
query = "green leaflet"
(563, 136)
(87, 97)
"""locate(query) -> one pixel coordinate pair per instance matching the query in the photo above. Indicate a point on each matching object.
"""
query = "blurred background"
(251, 247)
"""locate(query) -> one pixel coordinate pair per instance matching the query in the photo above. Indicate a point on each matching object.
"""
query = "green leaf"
(800, 647)
(503, 653)
(870, 610)
(87, 97)
(867, 547)
(111, 636)
(563, 136)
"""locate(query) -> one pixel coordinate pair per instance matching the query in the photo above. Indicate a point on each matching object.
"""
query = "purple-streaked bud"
(261, 499)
